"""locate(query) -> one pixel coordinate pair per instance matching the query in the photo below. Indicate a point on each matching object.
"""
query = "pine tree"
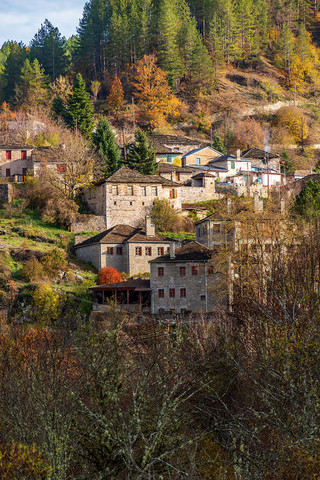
(12, 70)
(31, 89)
(104, 141)
(141, 156)
(218, 144)
(79, 109)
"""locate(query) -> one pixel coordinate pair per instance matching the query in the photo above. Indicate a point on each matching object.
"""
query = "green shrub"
(54, 261)
(32, 270)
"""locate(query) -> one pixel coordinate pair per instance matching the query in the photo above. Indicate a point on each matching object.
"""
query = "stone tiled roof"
(137, 284)
(168, 168)
(258, 153)
(16, 147)
(191, 251)
(203, 174)
(48, 154)
(160, 142)
(127, 175)
(122, 234)
(228, 157)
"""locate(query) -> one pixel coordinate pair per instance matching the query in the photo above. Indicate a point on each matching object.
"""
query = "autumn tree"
(294, 120)
(248, 133)
(116, 95)
(108, 275)
(153, 93)
(95, 87)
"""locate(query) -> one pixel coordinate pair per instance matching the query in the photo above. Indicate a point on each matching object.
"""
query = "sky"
(21, 19)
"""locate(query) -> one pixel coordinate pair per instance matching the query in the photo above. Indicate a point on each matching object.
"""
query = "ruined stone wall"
(6, 193)
(88, 223)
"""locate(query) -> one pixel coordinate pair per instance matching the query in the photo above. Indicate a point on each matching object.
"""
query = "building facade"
(15, 160)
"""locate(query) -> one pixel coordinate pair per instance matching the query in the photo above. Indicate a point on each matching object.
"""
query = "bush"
(108, 275)
(54, 261)
(163, 215)
(32, 270)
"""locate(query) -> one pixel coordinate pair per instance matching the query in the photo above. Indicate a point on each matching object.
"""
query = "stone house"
(126, 248)
(261, 159)
(199, 157)
(176, 173)
(128, 196)
(170, 148)
(186, 280)
(15, 160)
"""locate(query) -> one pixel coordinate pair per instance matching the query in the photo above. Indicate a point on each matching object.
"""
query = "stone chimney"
(238, 154)
(282, 206)
(229, 206)
(150, 227)
(257, 203)
(172, 250)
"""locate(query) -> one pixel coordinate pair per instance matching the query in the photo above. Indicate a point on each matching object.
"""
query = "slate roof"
(191, 251)
(203, 174)
(16, 147)
(137, 284)
(168, 168)
(258, 153)
(121, 234)
(227, 157)
(127, 175)
(160, 142)
(196, 150)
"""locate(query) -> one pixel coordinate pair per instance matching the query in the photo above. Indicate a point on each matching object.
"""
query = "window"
(173, 193)
(114, 203)
(131, 204)
(161, 293)
(109, 250)
(172, 292)
(198, 160)
(160, 271)
(143, 191)
(182, 271)
(183, 292)
(60, 168)
(194, 270)
(119, 250)
(148, 251)
(115, 190)
(160, 251)
(8, 155)
(129, 190)
(8, 172)
(233, 165)
(138, 251)
(23, 154)
(154, 191)
(169, 158)
(202, 298)
(210, 270)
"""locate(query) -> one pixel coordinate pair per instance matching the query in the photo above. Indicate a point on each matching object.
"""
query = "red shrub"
(108, 275)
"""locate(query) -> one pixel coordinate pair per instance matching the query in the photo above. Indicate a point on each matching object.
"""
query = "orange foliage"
(20, 461)
(154, 93)
(248, 133)
(116, 96)
(108, 275)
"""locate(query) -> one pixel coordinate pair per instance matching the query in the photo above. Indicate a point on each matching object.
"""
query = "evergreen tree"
(104, 141)
(31, 89)
(79, 109)
(58, 107)
(12, 70)
(218, 144)
(49, 48)
(141, 156)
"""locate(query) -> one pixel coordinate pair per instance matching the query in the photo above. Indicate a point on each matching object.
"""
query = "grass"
(179, 236)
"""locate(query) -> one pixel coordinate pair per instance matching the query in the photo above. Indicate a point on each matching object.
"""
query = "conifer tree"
(31, 89)
(79, 109)
(12, 70)
(104, 141)
(141, 156)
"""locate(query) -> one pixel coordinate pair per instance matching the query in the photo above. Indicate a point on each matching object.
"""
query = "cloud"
(20, 21)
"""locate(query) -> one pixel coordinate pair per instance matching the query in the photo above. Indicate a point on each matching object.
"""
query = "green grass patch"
(179, 236)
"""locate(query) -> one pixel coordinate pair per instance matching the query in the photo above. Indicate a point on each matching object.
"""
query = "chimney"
(229, 206)
(172, 250)
(150, 227)
(238, 154)
(257, 203)
(282, 206)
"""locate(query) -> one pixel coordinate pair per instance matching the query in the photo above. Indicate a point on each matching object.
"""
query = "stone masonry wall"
(88, 223)
(140, 263)
(16, 164)
(6, 193)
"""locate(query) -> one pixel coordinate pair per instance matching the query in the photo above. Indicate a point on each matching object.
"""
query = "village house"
(128, 196)
(125, 248)
(15, 161)
(186, 281)
(176, 173)
(262, 159)
(170, 148)
(199, 157)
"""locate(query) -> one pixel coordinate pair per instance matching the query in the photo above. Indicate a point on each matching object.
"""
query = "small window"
(109, 250)
(148, 251)
(160, 271)
(8, 155)
(233, 165)
(202, 298)
(115, 190)
(161, 293)
(129, 190)
(210, 270)
(131, 204)
(172, 292)
(198, 160)
(154, 191)
(194, 270)
(23, 154)
(139, 251)
(143, 191)
(183, 292)
(119, 251)
(114, 203)
(182, 271)
(173, 193)
(169, 158)
(160, 251)
(8, 172)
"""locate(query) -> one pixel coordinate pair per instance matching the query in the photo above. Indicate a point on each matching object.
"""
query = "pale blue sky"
(21, 19)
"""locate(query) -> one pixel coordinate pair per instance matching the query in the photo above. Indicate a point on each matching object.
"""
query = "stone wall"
(239, 191)
(88, 223)
(140, 263)
(6, 193)
(90, 254)
(16, 165)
